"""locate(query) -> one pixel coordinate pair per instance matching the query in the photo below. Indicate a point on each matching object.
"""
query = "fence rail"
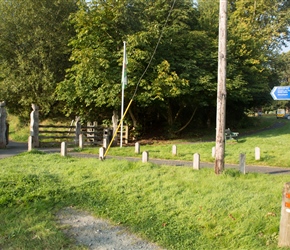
(92, 135)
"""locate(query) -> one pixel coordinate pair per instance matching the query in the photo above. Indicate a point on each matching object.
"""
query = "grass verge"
(176, 207)
(273, 144)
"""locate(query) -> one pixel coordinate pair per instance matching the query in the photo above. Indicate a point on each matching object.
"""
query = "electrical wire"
(154, 52)
(141, 77)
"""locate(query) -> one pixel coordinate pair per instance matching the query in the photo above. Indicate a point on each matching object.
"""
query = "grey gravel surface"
(99, 234)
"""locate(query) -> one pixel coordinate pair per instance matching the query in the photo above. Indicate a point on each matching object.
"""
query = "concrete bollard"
(101, 153)
(243, 163)
(145, 156)
(196, 161)
(174, 150)
(105, 143)
(30, 143)
(137, 148)
(63, 149)
(213, 152)
(81, 141)
(257, 154)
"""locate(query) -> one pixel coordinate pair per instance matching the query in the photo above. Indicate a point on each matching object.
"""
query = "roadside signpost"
(281, 93)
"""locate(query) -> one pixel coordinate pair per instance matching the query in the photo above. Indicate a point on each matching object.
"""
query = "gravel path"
(99, 234)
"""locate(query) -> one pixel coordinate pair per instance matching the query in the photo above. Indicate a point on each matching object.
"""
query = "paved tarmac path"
(14, 148)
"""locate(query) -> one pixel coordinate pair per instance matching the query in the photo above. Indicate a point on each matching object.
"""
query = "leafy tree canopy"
(33, 52)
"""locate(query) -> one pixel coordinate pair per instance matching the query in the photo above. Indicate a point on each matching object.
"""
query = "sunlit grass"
(176, 207)
(17, 130)
(273, 145)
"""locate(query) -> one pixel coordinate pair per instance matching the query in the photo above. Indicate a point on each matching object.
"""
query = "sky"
(286, 49)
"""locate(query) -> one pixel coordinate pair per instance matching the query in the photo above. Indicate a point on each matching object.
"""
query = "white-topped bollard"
(213, 152)
(30, 143)
(105, 143)
(81, 141)
(196, 161)
(174, 150)
(63, 149)
(257, 154)
(137, 148)
(145, 156)
(101, 153)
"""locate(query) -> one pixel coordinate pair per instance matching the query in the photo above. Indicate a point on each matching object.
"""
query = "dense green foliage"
(180, 82)
(177, 208)
(34, 52)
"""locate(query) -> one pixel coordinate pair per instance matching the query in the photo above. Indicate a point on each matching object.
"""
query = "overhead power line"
(141, 77)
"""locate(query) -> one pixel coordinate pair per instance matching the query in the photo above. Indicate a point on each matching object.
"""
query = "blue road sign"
(281, 93)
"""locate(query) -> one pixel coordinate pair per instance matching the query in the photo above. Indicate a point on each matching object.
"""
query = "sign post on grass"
(284, 232)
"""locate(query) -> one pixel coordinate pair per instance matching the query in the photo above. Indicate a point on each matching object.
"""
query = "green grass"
(17, 131)
(176, 207)
(273, 146)
(272, 143)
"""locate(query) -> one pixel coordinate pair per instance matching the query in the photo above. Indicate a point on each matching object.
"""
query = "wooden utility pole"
(221, 90)
(284, 232)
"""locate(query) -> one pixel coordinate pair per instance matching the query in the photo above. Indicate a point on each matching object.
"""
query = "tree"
(175, 80)
(256, 30)
(34, 52)
(93, 82)
(181, 49)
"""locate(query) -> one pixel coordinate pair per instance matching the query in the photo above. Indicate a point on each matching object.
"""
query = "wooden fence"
(92, 134)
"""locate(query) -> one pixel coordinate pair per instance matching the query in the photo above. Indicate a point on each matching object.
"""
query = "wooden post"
(126, 134)
(137, 148)
(174, 150)
(3, 125)
(78, 130)
(243, 163)
(115, 126)
(63, 149)
(221, 90)
(257, 153)
(196, 161)
(145, 156)
(213, 152)
(284, 232)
